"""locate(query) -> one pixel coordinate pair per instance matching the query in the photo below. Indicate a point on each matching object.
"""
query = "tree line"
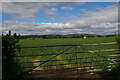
(63, 36)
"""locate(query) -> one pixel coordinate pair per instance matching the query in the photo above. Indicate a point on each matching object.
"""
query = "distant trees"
(48, 36)
(59, 36)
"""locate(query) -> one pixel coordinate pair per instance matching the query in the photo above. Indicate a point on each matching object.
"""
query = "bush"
(115, 73)
(10, 67)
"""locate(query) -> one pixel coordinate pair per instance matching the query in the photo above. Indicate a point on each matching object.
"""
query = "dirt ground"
(70, 74)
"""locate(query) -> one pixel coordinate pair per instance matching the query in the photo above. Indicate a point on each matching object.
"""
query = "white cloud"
(101, 22)
(51, 11)
(83, 10)
(66, 8)
(106, 15)
(105, 25)
(25, 28)
(24, 10)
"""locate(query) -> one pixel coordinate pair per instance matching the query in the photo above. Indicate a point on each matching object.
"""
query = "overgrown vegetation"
(115, 73)
(10, 67)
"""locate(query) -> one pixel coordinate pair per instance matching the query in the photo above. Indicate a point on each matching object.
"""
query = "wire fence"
(68, 60)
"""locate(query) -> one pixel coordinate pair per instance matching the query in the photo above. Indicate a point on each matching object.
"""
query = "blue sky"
(60, 18)
(41, 16)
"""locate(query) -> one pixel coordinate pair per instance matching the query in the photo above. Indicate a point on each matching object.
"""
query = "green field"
(61, 59)
(38, 42)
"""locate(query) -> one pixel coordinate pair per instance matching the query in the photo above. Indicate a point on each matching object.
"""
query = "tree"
(10, 67)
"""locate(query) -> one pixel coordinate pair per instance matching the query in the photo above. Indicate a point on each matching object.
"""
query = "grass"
(38, 42)
(56, 50)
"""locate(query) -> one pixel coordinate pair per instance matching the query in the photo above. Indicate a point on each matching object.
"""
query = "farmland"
(38, 42)
(35, 56)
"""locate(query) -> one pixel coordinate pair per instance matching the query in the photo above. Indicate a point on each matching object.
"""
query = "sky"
(40, 18)
(60, 0)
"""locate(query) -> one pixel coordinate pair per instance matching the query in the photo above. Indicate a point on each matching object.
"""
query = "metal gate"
(68, 61)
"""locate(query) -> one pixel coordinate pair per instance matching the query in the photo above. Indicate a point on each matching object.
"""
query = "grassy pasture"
(38, 42)
(61, 59)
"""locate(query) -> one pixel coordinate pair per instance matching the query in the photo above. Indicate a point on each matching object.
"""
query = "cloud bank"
(104, 21)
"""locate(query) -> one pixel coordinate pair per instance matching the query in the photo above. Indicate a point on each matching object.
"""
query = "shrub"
(115, 73)
(10, 67)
